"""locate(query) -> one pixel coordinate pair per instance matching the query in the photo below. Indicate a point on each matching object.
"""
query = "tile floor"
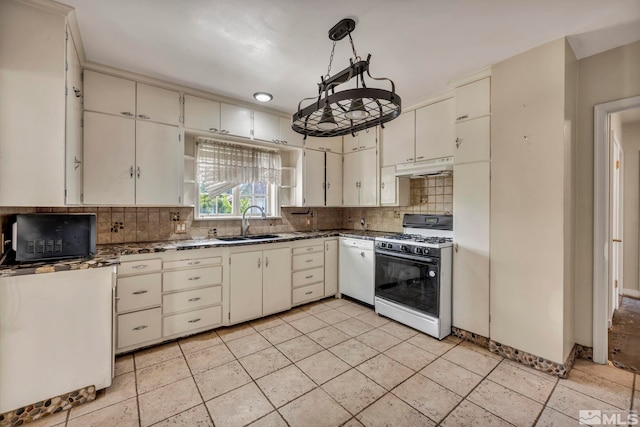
(624, 335)
(335, 363)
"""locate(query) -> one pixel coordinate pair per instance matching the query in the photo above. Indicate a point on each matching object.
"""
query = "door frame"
(601, 237)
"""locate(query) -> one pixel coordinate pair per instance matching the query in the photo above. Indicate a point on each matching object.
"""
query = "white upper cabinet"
(201, 114)
(333, 144)
(435, 130)
(473, 140)
(333, 171)
(109, 160)
(122, 97)
(73, 161)
(313, 178)
(394, 191)
(364, 139)
(158, 105)
(266, 127)
(473, 100)
(360, 180)
(159, 164)
(32, 105)
(235, 120)
(288, 136)
(398, 140)
(109, 94)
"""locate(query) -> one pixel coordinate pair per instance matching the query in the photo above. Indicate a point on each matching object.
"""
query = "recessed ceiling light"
(263, 96)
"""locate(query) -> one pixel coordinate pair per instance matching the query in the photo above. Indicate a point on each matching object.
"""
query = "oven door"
(409, 280)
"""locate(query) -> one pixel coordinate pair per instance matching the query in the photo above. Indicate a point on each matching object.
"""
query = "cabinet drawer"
(302, 278)
(137, 292)
(179, 323)
(139, 327)
(188, 300)
(144, 266)
(184, 279)
(314, 259)
(308, 249)
(307, 293)
(200, 262)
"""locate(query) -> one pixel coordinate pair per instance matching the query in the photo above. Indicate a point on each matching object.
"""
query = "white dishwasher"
(357, 269)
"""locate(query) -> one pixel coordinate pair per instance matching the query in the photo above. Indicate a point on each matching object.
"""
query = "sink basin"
(232, 238)
(262, 237)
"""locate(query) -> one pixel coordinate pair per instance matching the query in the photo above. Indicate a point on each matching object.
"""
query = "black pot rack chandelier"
(337, 113)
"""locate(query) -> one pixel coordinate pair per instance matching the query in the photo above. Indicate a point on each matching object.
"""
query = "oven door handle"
(424, 260)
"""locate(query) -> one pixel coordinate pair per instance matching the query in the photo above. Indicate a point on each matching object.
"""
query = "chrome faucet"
(245, 221)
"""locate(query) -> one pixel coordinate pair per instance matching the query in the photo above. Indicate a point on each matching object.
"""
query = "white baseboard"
(631, 293)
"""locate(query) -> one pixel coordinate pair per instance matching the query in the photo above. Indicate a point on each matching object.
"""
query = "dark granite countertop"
(109, 255)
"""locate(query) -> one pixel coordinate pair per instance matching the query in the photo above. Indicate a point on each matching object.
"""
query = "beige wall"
(630, 140)
(608, 76)
(528, 211)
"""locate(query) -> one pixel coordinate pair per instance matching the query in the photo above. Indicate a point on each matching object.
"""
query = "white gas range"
(413, 274)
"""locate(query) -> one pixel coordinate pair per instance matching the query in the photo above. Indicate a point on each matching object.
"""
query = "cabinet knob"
(139, 328)
(140, 292)
(131, 174)
(421, 157)
(458, 142)
(259, 262)
(194, 278)
(382, 185)
(213, 130)
(308, 277)
(308, 293)
(76, 162)
(194, 299)
(139, 266)
(138, 171)
(194, 320)
(194, 262)
(143, 116)
(462, 117)
(266, 261)
(127, 113)
(77, 92)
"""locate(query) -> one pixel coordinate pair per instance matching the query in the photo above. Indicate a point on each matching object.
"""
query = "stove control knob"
(425, 251)
(432, 274)
(418, 250)
(389, 246)
(382, 245)
(404, 248)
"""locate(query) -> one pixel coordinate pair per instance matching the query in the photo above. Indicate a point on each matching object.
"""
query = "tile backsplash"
(136, 224)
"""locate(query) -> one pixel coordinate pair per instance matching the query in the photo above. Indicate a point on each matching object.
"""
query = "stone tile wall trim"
(560, 370)
(473, 338)
(47, 407)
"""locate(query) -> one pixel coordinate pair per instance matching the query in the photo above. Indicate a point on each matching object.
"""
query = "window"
(233, 177)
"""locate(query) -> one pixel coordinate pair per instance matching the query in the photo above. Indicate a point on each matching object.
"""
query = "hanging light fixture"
(337, 113)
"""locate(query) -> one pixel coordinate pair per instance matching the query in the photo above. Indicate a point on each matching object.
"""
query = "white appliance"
(55, 334)
(357, 269)
(413, 274)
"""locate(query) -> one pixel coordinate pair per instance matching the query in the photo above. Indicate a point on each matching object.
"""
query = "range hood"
(442, 166)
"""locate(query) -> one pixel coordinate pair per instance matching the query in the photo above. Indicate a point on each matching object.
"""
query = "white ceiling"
(237, 47)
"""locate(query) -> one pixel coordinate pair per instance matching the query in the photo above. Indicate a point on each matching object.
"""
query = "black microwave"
(39, 237)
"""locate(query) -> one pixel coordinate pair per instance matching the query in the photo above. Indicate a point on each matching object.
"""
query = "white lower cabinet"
(260, 283)
(330, 267)
(186, 322)
(135, 329)
(307, 277)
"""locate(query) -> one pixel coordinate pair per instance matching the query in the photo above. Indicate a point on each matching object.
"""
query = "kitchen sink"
(232, 238)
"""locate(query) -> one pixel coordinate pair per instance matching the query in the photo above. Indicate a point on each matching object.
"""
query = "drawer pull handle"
(194, 263)
(462, 117)
(140, 266)
(139, 328)
(194, 299)
(309, 249)
(140, 292)
(308, 293)
(309, 260)
(195, 278)
(195, 320)
(127, 113)
(308, 277)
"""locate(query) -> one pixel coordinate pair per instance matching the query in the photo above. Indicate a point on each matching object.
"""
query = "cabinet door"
(266, 127)
(325, 144)
(245, 289)
(398, 139)
(351, 179)
(73, 146)
(159, 164)
(435, 130)
(314, 178)
(109, 159)
(471, 201)
(330, 267)
(473, 99)
(276, 280)
(201, 114)
(350, 143)
(368, 168)
(158, 105)
(388, 185)
(473, 140)
(334, 179)
(368, 138)
(108, 94)
(288, 136)
(235, 120)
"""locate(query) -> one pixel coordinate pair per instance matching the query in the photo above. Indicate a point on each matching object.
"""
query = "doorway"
(608, 223)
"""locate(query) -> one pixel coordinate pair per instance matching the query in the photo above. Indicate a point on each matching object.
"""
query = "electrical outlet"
(308, 222)
(181, 227)
(213, 232)
(396, 214)
(362, 222)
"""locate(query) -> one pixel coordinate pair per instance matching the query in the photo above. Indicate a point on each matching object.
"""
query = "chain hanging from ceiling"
(337, 113)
